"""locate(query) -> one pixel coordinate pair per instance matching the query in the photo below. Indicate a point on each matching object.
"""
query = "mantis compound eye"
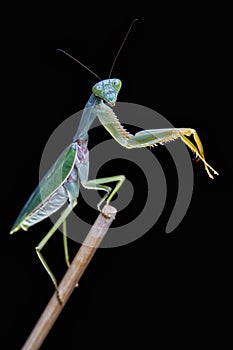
(98, 87)
(116, 84)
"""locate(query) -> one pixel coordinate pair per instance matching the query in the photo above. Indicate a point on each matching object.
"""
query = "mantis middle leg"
(96, 184)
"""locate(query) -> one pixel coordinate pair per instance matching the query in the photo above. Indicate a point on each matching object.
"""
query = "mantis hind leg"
(97, 185)
(43, 242)
(65, 243)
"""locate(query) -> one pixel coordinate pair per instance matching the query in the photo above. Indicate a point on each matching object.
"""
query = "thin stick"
(70, 279)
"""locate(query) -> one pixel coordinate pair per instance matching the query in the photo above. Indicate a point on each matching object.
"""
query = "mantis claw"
(106, 216)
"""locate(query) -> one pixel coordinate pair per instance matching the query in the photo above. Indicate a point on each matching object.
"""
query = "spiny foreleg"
(154, 137)
(149, 138)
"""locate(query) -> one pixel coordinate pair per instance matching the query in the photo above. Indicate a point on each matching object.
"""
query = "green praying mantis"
(62, 182)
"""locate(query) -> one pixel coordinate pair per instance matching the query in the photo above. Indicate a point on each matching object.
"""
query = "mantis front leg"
(151, 137)
(161, 136)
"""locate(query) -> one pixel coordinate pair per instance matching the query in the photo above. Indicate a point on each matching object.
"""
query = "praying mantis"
(61, 184)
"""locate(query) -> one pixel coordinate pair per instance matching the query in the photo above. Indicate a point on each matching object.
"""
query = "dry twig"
(70, 279)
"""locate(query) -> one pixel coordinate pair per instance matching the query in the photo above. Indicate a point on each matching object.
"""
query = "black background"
(161, 288)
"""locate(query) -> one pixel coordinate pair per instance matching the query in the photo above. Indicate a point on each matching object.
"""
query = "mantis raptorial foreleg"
(151, 137)
(162, 136)
(42, 243)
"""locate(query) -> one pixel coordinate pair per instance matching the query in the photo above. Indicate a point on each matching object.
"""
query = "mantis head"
(107, 90)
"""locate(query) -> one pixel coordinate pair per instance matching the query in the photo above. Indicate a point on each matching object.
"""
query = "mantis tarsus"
(62, 181)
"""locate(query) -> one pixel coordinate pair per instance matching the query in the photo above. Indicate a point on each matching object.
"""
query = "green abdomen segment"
(50, 194)
(50, 206)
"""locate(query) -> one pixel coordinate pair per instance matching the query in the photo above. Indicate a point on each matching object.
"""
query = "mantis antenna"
(126, 36)
(114, 62)
(75, 59)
